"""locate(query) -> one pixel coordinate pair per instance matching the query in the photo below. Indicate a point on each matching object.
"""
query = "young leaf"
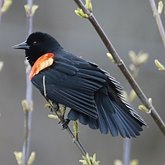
(79, 12)
(132, 95)
(26, 106)
(89, 160)
(6, 5)
(160, 7)
(159, 65)
(30, 11)
(88, 5)
(18, 156)
(109, 55)
(1, 65)
(31, 158)
(118, 162)
(75, 129)
(143, 108)
(51, 116)
(134, 162)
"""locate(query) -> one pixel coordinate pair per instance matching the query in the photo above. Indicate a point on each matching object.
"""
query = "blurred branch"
(158, 20)
(122, 66)
(4, 6)
(1, 3)
(28, 110)
(137, 60)
(127, 151)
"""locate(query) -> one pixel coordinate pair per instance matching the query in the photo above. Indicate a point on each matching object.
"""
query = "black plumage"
(93, 96)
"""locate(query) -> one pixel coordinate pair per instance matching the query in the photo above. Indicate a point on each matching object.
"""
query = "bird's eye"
(35, 42)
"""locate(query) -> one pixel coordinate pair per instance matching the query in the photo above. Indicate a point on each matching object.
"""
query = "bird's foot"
(64, 123)
(55, 107)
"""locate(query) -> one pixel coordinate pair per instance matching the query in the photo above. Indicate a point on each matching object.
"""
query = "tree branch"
(28, 114)
(158, 20)
(122, 66)
(127, 151)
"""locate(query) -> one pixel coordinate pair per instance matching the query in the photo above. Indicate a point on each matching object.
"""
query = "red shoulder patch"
(43, 62)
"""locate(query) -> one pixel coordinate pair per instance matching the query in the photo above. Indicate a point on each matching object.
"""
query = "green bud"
(31, 158)
(1, 65)
(159, 65)
(88, 5)
(79, 12)
(51, 116)
(26, 105)
(89, 160)
(138, 59)
(118, 162)
(142, 58)
(134, 162)
(132, 96)
(132, 56)
(143, 108)
(109, 55)
(160, 7)
(18, 157)
(47, 105)
(75, 129)
(6, 5)
(30, 11)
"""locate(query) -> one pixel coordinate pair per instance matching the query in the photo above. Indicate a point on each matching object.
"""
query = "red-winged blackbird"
(93, 96)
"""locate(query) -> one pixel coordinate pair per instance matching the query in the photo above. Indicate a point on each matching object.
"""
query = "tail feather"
(131, 122)
(126, 130)
(109, 116)
(128, 126)
(93, 123)
(114, 117)
(102, 122)
(127, 122)
(82, 119)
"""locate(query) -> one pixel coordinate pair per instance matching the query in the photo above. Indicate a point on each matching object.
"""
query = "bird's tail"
(117, 116)
(114, 116)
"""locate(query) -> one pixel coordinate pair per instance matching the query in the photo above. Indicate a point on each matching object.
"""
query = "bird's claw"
(64, 123)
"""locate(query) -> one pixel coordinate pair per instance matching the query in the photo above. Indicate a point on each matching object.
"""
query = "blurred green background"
(130, 26)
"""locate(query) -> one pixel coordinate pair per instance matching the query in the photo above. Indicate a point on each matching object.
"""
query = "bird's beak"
(22, 45)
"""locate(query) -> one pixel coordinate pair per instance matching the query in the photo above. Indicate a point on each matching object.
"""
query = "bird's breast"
(41, 63)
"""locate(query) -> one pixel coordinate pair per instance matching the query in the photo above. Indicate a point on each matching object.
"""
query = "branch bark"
(154, 114)
(158, 20)
(127, 151)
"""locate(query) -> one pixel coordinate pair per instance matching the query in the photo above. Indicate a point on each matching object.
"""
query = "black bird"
(93, 95)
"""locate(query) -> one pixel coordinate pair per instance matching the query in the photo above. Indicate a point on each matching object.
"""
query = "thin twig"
(28, 114)
(158, 20)
(76, 141)
(127, 151)
(122, 66)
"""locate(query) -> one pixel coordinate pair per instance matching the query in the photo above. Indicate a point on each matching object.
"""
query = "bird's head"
(38, 44)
